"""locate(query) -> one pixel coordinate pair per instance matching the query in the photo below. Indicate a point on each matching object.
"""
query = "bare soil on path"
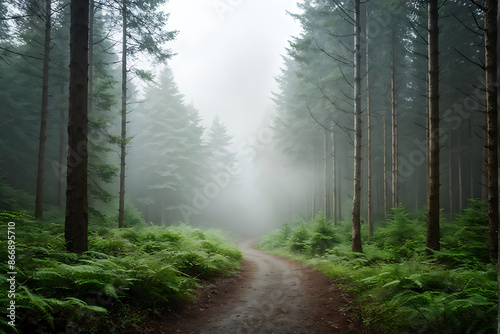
(271, 294)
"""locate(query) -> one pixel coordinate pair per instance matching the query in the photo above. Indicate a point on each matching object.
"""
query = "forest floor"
(270, 294)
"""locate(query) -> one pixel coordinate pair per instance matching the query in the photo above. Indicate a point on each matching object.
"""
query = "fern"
(144, 267)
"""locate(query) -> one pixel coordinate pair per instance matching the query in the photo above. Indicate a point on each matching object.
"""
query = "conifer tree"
(433, 234)
(221, 158)
(143, 32)
(76, 223)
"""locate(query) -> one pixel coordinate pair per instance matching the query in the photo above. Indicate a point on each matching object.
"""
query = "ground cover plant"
(398, 289)
(128, 274)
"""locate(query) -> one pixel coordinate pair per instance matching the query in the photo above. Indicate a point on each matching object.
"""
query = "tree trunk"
(450, 180)
(484, 165)
(369, 135)
(394, 128)
(491, 35)
(62, 139)
(76, 223)
(433, 236)
(339, 192)
(491, 40)
(43, 115)
(91, 57)
(328, 175)
(314, 187)
(356, 210)
(472, 163)
(385, 165)
(334, 186)
(460, 181)
(318, 175)
(123, 143)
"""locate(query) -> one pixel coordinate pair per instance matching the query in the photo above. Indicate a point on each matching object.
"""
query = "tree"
(123, 142)
(221, 158)
(394, 118)
(433, 88)
(356, 211)
(171, 143)
(142, 32)
(43, 113)
(491, 66)
(329, 172)
(76, 222)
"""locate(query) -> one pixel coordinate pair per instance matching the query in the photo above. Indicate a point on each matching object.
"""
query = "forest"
(376, 164)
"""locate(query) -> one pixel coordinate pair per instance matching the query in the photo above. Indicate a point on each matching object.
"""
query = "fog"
(228, 54)
(250, 124)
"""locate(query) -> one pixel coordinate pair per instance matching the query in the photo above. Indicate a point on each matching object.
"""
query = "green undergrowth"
(127, 274)
(395, 287)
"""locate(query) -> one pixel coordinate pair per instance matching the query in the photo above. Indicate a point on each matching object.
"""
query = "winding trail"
(271, 295)
(274, 301)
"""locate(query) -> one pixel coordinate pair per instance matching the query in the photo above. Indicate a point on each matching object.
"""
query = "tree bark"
(76, 223)
(43, 115)
(339, 192)
(328, 174)
(60, 170)
(385, 165)
(123, 143)
(460, 180)
(491, 35)
(450, 180)
(91, 57)
(334, 186)
(356, 211)
(369, 134)
(394, 128)
(484, 165)
(433, 236)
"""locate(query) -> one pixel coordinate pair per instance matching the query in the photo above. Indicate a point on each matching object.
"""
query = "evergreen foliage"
(221, 159)
(171, 143)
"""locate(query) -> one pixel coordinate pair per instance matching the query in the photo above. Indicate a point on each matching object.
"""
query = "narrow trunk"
(334, 186)
(91, 57)
(484, 166)
(328, 175)
(460, 183)
(433, 236)
(60, 167)
(450, 180)
(491, 35)
(492, 16)
(123, 143)
(314, 191)
(394, 128)
(318, 175)
(385, 165)
(43, 114)
(369, 136)
(76, 223)
(356, 211)
(472, 163)
(162, 207)
(339, 193)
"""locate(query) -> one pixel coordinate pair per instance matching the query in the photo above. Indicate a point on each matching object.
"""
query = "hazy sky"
(228, 55)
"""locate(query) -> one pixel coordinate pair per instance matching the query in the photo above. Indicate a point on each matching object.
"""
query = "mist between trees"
(379, 105)
(154, 155)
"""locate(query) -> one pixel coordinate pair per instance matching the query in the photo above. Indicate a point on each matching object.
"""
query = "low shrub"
(397, 288)
(127, 271)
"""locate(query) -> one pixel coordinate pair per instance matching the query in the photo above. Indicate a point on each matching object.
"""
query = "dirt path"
(271, 295)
